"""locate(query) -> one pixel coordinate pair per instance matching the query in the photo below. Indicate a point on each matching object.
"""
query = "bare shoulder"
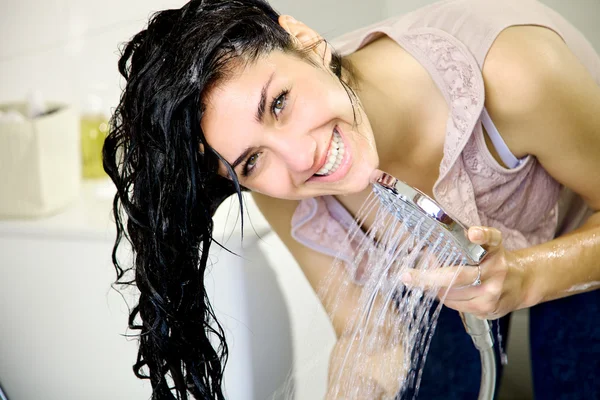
(545, 102)
(519, 66)
(278, 214)
(317, 267)
(527, 75)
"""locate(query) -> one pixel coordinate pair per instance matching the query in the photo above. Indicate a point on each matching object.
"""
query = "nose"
(297, 151)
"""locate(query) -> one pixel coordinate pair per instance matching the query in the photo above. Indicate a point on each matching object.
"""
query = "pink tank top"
(450, 39)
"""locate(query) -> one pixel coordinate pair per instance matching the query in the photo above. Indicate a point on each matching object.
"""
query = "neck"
(404, 107)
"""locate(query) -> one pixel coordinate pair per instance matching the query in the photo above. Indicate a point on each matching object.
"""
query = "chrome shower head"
(411, 206)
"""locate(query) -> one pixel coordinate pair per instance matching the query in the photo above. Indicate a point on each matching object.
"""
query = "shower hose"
(479, 330)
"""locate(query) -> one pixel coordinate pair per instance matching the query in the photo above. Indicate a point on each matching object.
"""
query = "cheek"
(324, 101)
(276, 189)
(273, 180)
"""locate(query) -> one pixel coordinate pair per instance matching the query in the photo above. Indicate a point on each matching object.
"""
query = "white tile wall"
(65, 48)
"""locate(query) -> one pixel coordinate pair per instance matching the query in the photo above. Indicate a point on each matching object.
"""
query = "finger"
(485, 236)
(440, 277)
(470, 307)
(466, 294)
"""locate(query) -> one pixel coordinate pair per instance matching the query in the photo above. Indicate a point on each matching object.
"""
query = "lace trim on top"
(472, 186)
(322, 224)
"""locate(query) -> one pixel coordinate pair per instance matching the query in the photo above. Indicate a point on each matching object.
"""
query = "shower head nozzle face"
(414, 207)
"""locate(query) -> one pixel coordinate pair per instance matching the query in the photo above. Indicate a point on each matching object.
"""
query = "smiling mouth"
(335, 155)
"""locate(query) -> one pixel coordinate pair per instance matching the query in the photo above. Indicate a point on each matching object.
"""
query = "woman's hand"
(502, 288)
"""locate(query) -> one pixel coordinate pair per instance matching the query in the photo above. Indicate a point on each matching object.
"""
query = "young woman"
(490, 107)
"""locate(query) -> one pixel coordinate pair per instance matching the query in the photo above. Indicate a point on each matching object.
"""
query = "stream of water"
(391, 325)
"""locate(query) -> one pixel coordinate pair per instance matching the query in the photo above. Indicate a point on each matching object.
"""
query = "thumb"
(489, 238)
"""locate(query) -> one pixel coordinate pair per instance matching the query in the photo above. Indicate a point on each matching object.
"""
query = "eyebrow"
(241, 158)
(260, 112)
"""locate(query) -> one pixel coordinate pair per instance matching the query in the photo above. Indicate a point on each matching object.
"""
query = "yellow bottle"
(94, 128)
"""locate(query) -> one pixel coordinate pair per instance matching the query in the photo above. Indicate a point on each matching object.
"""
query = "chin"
(359, 180)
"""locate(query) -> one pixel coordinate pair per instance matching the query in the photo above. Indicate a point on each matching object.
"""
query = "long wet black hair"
(167, 184)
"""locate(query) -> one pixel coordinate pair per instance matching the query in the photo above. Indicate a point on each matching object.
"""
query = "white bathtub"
(61, 325)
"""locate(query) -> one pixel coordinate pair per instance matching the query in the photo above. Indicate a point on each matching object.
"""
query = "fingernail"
(476, 234)
(406, 277)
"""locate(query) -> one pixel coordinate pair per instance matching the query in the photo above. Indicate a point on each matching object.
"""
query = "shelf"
(90, 217)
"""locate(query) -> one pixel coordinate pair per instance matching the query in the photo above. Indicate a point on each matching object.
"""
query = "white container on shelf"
(40, 162)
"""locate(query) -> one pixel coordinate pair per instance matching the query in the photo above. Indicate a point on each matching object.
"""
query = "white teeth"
(334, 155)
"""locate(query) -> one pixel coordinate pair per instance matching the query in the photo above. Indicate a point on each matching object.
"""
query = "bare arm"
(547, 104)
(379, 372)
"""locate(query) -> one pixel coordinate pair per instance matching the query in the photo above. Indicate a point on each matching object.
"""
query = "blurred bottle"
(94, 128)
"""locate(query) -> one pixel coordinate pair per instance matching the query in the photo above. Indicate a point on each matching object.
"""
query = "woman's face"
(287, 127)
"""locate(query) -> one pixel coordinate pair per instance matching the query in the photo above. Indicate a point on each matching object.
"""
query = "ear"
(305, 37)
